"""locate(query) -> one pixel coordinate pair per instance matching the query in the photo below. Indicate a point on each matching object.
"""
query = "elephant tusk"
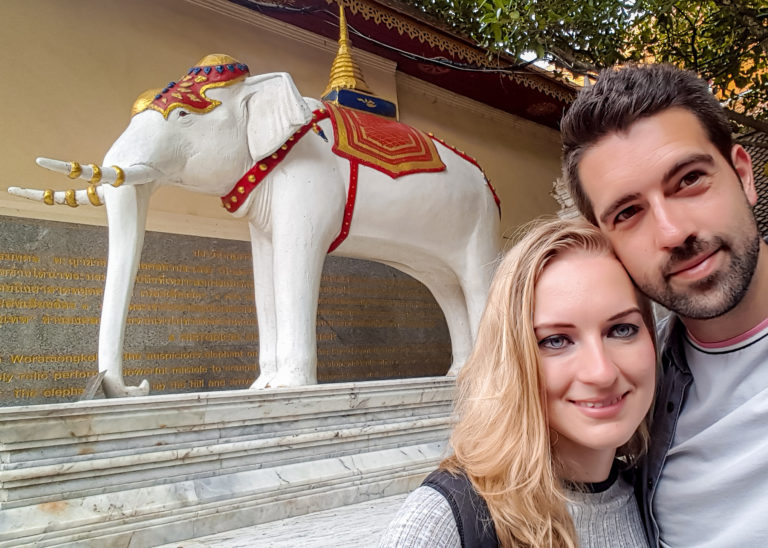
(93, 173)
(73, 198)
(119, 178)
(74, 170)
(93, 195)
(69, 198)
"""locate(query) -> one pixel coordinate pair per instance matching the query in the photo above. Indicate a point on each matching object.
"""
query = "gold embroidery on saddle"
(381, 143)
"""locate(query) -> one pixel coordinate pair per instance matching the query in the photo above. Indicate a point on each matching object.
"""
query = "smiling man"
(649, 158)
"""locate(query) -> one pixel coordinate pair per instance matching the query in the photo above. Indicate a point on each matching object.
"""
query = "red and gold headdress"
(210, 72)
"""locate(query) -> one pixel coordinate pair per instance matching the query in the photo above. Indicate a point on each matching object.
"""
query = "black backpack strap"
(470, 512)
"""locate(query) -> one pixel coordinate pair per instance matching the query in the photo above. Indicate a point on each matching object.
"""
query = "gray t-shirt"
(602, 520)
(713, 489)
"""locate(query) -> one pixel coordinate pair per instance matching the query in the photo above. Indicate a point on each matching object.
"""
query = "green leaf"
(708, 35)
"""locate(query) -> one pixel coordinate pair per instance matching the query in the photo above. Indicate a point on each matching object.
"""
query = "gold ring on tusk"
(93, 197)
(69, 198)
(74, 170)
(120, 177)
(48, 196)
(96, 177)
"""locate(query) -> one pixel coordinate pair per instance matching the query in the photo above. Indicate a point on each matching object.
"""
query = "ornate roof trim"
(381, 15)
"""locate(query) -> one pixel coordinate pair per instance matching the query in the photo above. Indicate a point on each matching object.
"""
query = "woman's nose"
(597, 365)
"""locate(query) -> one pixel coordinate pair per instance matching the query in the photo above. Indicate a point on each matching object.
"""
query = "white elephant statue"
(217, 124)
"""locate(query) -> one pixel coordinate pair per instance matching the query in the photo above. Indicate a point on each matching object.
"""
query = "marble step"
(353, 526)
(144, 471)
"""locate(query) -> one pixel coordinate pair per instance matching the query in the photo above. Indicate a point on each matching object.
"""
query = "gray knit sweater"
(602, 520)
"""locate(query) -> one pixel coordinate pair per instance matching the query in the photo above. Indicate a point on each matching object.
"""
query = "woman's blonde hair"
(501, 439)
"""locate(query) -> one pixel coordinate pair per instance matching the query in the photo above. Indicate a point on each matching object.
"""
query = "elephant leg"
(264, 290)
(297, 284)
(450, 298)
(127, 214)
(475, 278)
(298, 263)
(455, 310)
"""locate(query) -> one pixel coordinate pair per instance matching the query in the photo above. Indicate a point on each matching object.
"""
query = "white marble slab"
(143, 471)
(353, 526)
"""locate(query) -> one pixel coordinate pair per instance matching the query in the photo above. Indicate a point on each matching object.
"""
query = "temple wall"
(74, 69)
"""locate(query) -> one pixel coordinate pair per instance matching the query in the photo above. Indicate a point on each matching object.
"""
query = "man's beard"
(716, 294)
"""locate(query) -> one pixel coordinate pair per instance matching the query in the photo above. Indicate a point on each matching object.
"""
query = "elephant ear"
(275, 111)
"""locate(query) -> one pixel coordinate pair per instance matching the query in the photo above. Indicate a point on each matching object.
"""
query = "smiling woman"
(551, 407)
(597, 359)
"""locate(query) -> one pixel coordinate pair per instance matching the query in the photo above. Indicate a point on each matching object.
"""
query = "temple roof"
(426, 49)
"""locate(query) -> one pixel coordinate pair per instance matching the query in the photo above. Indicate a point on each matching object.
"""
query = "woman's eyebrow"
(550, 325)
(624, 314)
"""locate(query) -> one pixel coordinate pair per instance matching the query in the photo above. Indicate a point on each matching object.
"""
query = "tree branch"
(747, 120)
(756, 28)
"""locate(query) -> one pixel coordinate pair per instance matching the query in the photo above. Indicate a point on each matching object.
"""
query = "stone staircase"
(354, 526)
(162, 469)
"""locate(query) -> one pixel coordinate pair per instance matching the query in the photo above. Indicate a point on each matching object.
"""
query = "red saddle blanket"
(386, 145)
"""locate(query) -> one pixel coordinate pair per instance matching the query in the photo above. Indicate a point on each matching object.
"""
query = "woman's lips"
(597, 404)
(602, 408)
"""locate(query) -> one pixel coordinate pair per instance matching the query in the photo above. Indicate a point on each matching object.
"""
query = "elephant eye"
(182, 113)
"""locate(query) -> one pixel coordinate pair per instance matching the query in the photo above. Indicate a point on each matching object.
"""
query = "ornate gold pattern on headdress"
(143, 101)
(211, 71)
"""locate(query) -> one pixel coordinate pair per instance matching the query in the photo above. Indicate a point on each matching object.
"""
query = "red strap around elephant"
(257, 173)
(472, 161)
(349, 208)
(427, 159)
(264, 167)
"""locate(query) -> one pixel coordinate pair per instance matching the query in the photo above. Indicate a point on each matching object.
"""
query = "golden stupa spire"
(345, 74)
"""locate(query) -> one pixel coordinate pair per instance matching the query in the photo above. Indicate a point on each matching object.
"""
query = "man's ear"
(742, 164)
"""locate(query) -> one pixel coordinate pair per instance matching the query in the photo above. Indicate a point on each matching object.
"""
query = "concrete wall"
(73, 70)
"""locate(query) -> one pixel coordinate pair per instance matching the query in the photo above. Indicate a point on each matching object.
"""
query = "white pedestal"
(154, 470)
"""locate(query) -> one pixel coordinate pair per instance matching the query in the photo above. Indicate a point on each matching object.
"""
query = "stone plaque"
(192, 323)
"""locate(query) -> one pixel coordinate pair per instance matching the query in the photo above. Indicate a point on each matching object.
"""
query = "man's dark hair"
(620, 98)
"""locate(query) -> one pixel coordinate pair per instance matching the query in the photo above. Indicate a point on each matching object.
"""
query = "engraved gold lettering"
(19, 257)
(53, 358)
(213, 254)
(73, 374)
(67, 392)
(189, 369)
(13, 318)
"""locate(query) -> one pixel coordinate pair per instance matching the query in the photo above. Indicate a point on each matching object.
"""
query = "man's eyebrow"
(617, 204)
(678, 166)
(685, 162)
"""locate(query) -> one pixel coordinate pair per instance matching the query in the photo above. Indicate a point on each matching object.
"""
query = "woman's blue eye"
(554, 342)
(624, 330)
